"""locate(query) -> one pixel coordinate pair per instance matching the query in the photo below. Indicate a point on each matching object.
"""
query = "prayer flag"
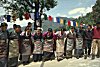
(61, 21)
(8, 18)
(58, 19)
(50, 18)
(69, 23)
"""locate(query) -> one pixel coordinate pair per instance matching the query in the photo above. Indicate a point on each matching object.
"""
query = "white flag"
(71, 23)
(55, 20)
(32, 16)
(1, 19)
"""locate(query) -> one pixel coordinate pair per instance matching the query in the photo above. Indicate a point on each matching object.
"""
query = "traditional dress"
(26, 47)
(13, 49)
(48, 51)
(70, 44)
(38, 46)
(60, 43)
(3, 48)
(79, 43)
(20, 44)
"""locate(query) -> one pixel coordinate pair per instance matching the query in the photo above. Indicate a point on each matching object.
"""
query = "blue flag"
(58, 19)
(37, 15)
(74, 23)
(8, 18)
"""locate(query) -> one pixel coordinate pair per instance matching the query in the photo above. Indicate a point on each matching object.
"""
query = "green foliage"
(96, 11)
(88, 19)
(92, 17)
(27, 5)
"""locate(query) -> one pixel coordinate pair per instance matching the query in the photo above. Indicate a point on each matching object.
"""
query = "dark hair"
(50, 29)
(27, 28)
(63, 29)
(4, 24)
(72, 27)
(90, 26)
(14, 26)
(98, 23)
(29, 23)
(17, 26)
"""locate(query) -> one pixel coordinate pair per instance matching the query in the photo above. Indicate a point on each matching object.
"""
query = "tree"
(93, 16)
(96, 11)
(87, 19)
(18, 7)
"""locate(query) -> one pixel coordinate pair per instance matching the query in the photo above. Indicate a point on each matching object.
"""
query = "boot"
(93, 57)
(85, 56)
(97, 56)
(77, 57)
(59, 59)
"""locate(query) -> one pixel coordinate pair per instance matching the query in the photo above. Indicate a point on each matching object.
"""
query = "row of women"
(46, 46)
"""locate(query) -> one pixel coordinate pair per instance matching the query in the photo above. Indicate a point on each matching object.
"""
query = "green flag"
(65, 22)
(45, 17)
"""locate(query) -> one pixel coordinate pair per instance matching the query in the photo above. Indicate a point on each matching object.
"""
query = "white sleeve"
(22, 33)
(66, 32)
(56, 33)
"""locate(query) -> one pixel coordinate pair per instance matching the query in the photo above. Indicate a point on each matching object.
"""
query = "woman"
(48, 51)
(70, 43)
(4, 35)
(37, 52)
(26, 45)
(79, 43)
(14, 47)
(60, 42)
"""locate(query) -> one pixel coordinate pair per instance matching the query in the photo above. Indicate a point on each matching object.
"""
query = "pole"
(37, 7)
(36, 11)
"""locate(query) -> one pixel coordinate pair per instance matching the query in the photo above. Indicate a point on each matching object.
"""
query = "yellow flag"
(61, 21)
(76, 24)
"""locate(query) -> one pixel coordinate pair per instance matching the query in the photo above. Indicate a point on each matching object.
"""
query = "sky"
(68, 8)
(71, 8)
(64, 8)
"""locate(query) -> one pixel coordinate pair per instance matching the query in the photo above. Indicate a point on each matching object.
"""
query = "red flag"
(27, 15)
(14, 18)
(50, 18)
(81, 25)
(69, 23)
